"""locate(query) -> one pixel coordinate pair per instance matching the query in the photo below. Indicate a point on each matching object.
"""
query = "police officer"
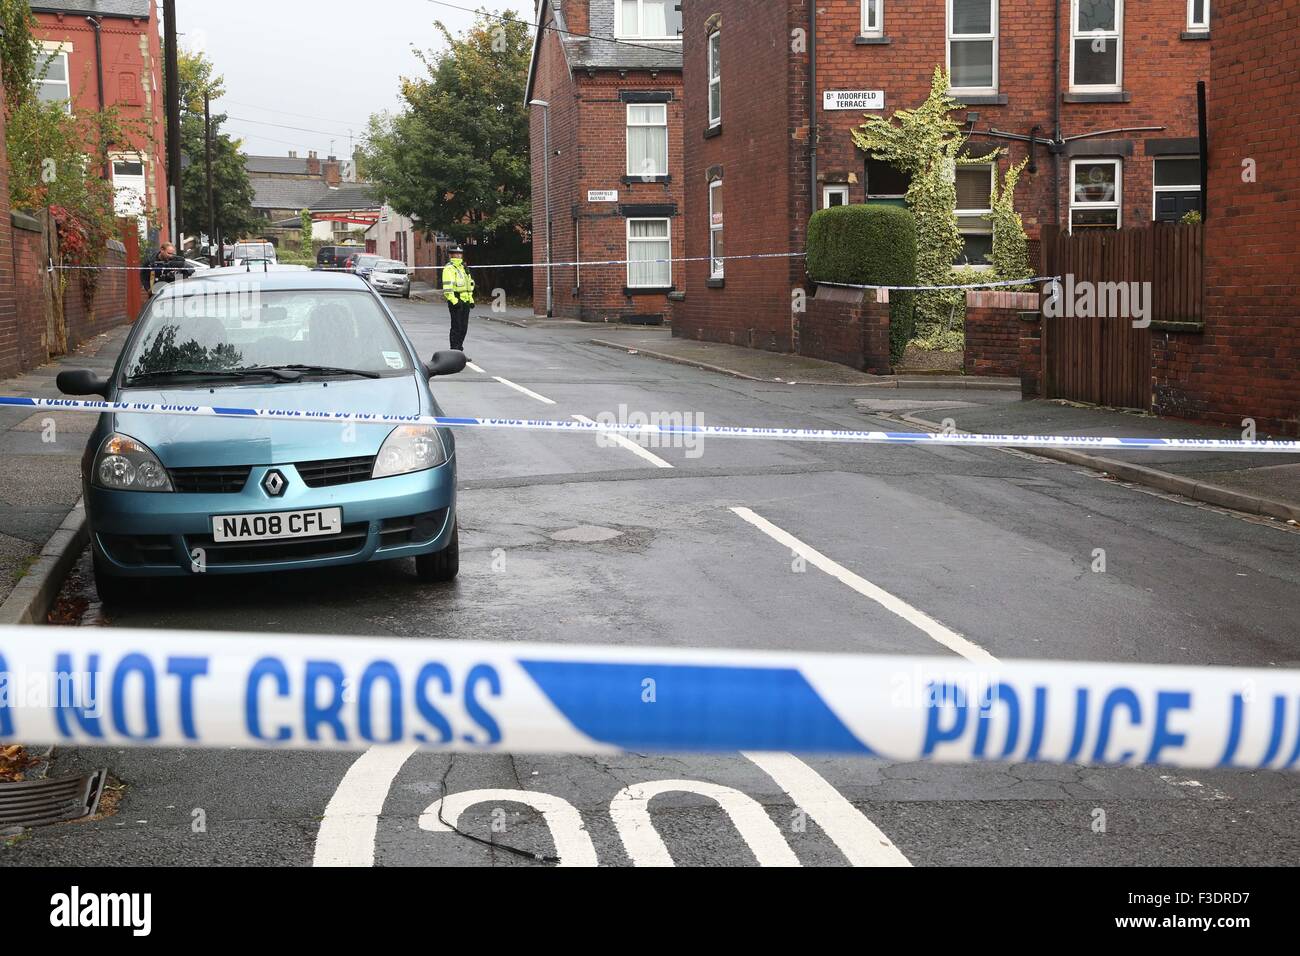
(165, 265)
(458, 287)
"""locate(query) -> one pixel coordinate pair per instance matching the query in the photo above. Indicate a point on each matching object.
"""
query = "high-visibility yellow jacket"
(457, 284)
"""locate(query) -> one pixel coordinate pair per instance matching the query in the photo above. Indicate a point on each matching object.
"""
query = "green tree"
(456, 157)
(232, 192)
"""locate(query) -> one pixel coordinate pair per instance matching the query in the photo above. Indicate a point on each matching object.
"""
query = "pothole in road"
(586, 534)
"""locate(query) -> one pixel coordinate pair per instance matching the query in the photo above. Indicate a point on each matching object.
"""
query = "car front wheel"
(442, 565)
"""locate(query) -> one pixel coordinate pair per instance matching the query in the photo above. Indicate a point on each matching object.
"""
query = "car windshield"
(367, 261)
(226, 330)
(390, 265)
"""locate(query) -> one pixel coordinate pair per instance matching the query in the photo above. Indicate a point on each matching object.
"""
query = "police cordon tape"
(695, 432)
(68, 685)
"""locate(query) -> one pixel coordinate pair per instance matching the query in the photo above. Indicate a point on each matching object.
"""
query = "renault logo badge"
(274, 483)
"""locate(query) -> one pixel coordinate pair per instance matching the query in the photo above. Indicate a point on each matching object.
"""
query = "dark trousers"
(459, 323)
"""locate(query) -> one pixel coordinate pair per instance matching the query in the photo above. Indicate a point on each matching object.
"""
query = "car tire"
(406, 293)
(442, 565)
(114, 590)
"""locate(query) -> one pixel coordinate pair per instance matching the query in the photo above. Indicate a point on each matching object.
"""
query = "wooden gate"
(1101, 357)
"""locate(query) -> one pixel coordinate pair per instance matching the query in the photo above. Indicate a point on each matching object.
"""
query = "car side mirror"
(446, 363)
(81, 381)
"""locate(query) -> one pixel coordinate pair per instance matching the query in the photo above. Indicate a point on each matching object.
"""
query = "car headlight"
(409, 448)
(127, 465)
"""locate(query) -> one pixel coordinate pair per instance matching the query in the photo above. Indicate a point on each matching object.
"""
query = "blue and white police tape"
(834, 435)
(167, 689)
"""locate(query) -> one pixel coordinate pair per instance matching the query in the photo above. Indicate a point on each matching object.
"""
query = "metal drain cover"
(31, 803)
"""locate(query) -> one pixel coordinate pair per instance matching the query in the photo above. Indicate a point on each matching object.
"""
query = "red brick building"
(108, 54)
(1099, 94)
(611, 74)
(1245, 362)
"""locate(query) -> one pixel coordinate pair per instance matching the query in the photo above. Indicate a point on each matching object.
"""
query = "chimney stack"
(333, 176)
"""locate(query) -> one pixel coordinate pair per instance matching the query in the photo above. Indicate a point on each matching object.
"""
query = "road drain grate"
(31, 803)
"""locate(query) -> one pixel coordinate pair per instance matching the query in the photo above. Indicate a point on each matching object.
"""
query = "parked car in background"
(390, 277)
(364, 264)
(256, 249)
(336, 257)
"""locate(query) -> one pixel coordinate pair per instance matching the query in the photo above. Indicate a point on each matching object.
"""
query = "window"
(835, 196)
(52, 82)
(715, 79)
(886, 184)
(873, 21)
(1096, 44)
(1198, 16)
(647, 140)
(716, 262)
(1095, 193)
(649, 248)
(973, 45)
(128, 187)
(1177, 188)
(648, 19)
(974, 203)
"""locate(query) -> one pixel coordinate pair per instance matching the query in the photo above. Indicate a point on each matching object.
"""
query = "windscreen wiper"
(196, 373)
(327, 370)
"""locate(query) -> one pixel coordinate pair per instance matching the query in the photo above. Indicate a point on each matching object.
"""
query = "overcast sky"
(322, 66)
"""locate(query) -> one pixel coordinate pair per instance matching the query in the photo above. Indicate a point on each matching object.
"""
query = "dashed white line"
(630, 445)
(527, 391)
(895, 605)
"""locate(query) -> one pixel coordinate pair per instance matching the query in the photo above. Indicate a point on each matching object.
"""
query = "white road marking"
(630, 445)
(860, 840)
(527, 391)
(630, 810)
(573, 844)
(474, 368)
(895, 605)
(347, 831)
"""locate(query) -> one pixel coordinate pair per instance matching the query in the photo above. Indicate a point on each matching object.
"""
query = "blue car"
(178, 496)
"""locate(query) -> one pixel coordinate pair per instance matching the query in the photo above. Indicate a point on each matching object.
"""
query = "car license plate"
(277, 524)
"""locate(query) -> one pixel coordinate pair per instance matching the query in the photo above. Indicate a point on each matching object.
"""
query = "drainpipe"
(99, 85)
(812, 102)
(1056, 112)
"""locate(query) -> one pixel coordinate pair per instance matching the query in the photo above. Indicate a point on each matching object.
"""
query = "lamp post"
(546, 190)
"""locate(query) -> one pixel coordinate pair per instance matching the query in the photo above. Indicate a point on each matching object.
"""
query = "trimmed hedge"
(868, 245)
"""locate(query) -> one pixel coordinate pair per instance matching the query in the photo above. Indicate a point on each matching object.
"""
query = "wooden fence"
(1092, 351)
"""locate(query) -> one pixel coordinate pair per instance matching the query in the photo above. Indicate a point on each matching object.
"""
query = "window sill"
(1172, 326)
(1194, 35)
(633, 180)
(718, 283)
(1119, 96)
(981, 99)
(871, 41)
(712, 131)
(630, 291)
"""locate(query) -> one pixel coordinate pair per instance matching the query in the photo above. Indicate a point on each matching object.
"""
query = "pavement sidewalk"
(761, 366)
(1261, 484)
(41, 528)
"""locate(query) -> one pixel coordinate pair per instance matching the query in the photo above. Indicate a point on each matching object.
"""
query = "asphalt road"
(567, 539)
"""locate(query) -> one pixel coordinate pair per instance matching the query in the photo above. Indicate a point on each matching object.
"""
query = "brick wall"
(760, 154)
(1246, 363)
(847, 326)
(22, 342)
(1031, 357)
(588, 133)
(993, 328)
(8, 294)
(107, 308)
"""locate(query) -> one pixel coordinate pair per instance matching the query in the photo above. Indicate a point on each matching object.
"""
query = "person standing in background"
(458, 287)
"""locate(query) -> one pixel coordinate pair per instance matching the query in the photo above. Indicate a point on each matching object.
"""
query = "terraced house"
(605, 84)
(1099, 95)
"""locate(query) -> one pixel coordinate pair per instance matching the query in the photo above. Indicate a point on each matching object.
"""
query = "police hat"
(457, 250)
